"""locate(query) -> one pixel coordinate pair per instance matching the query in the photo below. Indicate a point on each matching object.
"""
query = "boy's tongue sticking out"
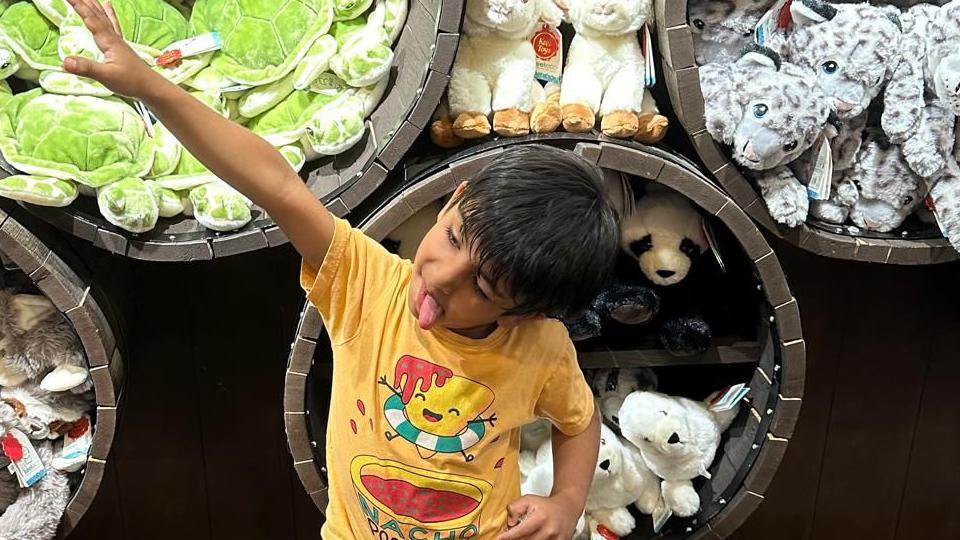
(429, 311)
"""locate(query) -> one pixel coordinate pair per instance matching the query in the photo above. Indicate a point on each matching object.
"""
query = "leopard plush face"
(767, 111)
(887, 190)
(721, 28)
(853, 49)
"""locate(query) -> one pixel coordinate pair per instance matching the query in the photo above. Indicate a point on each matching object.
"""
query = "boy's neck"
(476, 332)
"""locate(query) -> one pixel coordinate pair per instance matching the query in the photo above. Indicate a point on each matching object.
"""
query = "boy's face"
(447, 289)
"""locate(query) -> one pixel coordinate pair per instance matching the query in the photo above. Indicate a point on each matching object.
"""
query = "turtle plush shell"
(91, 140)
(263, 40)
(30, 35)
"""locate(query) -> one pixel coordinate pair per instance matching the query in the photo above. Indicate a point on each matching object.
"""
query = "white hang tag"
(712, 242)
(649, 65)
(776, 18)
(729, 397)
(146, 115)
(660, 515)
(191, 46)
(821, 179)
(235, 87)
(76, 446)
(23, 457)
(548, 46)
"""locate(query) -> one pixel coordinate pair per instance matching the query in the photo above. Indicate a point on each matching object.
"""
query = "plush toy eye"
(790, 146)
(641, 246)
(689, 248)
(829, 67)
(760, 110)
(699, 23)
(908, 200)
(5, 65)
(857, 184)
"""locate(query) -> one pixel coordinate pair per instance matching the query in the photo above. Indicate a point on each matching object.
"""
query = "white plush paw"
(925, 164)
(64, 378)
(828, 211)
(681, 498)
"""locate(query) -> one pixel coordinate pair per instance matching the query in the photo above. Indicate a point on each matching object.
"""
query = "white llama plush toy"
(495, 67)
(604, 71)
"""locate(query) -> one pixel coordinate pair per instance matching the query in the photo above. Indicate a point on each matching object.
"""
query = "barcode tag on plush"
(729, 398)
(77, 441)
(818, 187)
(23, 458)
(186, 48)
(649, 66)
(712, 242)
(776, 18)
(548, 46)
(660, 515)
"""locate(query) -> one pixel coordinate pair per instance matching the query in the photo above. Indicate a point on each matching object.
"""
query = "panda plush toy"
(662, 237)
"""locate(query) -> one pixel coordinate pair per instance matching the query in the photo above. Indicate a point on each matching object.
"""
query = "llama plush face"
(513, 19)
(609, 17)
(854, 50)
(665, 235)
(768, 112)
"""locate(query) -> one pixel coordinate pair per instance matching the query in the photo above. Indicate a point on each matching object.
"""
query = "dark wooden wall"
(201, 453)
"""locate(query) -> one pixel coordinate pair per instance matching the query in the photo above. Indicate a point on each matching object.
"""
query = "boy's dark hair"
(544, 230)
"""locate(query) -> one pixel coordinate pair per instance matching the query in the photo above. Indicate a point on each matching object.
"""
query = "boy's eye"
(453, 239)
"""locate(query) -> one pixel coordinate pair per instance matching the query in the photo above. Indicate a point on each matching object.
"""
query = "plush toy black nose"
(665, 273)
(605, 464)
(674, 439)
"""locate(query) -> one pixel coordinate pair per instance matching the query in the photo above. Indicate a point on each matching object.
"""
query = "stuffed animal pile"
(870, 87)
(651, 447)
(304, 75)
(494, 88)
(45, 415)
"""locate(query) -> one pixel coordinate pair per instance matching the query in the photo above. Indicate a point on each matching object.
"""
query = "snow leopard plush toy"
(722, 28)
(878, 192)
(769, 112)
(856, 52)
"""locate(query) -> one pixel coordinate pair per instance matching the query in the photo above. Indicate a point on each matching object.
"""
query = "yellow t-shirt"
(423, 431)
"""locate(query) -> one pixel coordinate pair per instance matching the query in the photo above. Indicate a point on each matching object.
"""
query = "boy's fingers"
(527, 528)
(80, 66)
(112, 16)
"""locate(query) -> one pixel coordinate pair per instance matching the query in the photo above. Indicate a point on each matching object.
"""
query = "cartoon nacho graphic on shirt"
(409, 502)
(434, 409)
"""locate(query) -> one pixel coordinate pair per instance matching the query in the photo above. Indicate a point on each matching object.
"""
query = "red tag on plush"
(607, 533)
(79, 427)
(928, 202)
(785, 18)
(12, 448)
(170, 58)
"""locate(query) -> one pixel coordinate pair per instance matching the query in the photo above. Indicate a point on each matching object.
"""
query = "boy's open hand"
(540, 518)
(121, 70)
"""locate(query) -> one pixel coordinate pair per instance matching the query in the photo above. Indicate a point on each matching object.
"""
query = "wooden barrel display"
(37, 262)
(764, 350)
(423, 57)
(914, 245)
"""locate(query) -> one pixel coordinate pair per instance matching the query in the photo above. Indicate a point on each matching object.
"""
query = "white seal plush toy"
(604, 74)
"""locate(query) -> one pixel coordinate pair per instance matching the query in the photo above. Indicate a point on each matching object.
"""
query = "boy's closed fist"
(121, 70)
(541, 518)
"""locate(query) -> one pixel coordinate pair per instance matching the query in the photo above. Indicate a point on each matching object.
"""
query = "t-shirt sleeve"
(356, 275)
(566, 399)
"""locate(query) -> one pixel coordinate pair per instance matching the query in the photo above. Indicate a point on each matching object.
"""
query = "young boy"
(437, 363)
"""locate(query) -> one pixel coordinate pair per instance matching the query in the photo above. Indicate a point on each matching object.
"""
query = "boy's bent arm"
(230, 151)
(555, 517)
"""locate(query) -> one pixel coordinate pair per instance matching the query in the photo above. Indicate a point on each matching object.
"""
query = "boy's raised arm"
(230, 151)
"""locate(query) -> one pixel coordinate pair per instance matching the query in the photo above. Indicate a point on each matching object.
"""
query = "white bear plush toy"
(678, 439)
(604, 72)
(495, 67)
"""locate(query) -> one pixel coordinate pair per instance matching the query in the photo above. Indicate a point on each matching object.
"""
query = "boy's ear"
(453, 198)
(512, 321)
